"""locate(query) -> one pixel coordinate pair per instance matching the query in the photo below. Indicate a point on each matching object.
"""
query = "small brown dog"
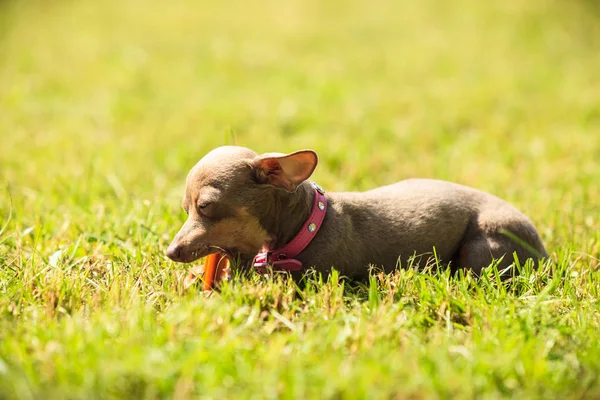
(240, 204)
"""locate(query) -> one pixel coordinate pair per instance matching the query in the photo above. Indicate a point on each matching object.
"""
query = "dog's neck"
(286, 214)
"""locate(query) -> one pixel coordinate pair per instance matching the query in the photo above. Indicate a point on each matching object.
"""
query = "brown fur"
(253, 201)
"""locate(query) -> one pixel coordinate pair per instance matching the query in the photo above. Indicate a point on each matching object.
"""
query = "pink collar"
(283, 259)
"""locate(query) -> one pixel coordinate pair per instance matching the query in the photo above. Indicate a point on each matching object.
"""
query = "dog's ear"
(285, 171)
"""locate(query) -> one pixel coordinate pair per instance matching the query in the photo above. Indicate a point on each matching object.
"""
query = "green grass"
(104, 107)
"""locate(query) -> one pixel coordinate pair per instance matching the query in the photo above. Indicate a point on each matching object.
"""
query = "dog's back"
(414, 216)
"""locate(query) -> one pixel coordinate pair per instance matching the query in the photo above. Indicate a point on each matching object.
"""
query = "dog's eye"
(204, 208)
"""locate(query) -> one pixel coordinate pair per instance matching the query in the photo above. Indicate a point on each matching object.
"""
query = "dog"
(262, 211)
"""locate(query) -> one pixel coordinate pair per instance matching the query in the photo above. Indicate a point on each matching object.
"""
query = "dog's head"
(227, 192)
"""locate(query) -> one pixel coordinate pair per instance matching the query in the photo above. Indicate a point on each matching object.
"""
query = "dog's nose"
(174, 251)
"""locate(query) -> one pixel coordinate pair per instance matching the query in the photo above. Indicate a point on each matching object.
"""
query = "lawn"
(105, 106)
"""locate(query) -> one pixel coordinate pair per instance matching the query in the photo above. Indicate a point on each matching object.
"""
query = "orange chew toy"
(214, 268)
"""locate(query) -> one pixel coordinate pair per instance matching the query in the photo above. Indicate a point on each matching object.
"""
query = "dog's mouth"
(205, 251)
(230, 254)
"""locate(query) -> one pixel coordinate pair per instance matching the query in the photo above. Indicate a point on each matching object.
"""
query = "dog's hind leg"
(481, 251)
(483, 244)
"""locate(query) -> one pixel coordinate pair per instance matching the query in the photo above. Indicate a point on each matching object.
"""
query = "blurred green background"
(106, 105)
(123, 97)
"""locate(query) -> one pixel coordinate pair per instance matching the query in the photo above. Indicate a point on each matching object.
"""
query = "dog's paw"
(194, 275)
